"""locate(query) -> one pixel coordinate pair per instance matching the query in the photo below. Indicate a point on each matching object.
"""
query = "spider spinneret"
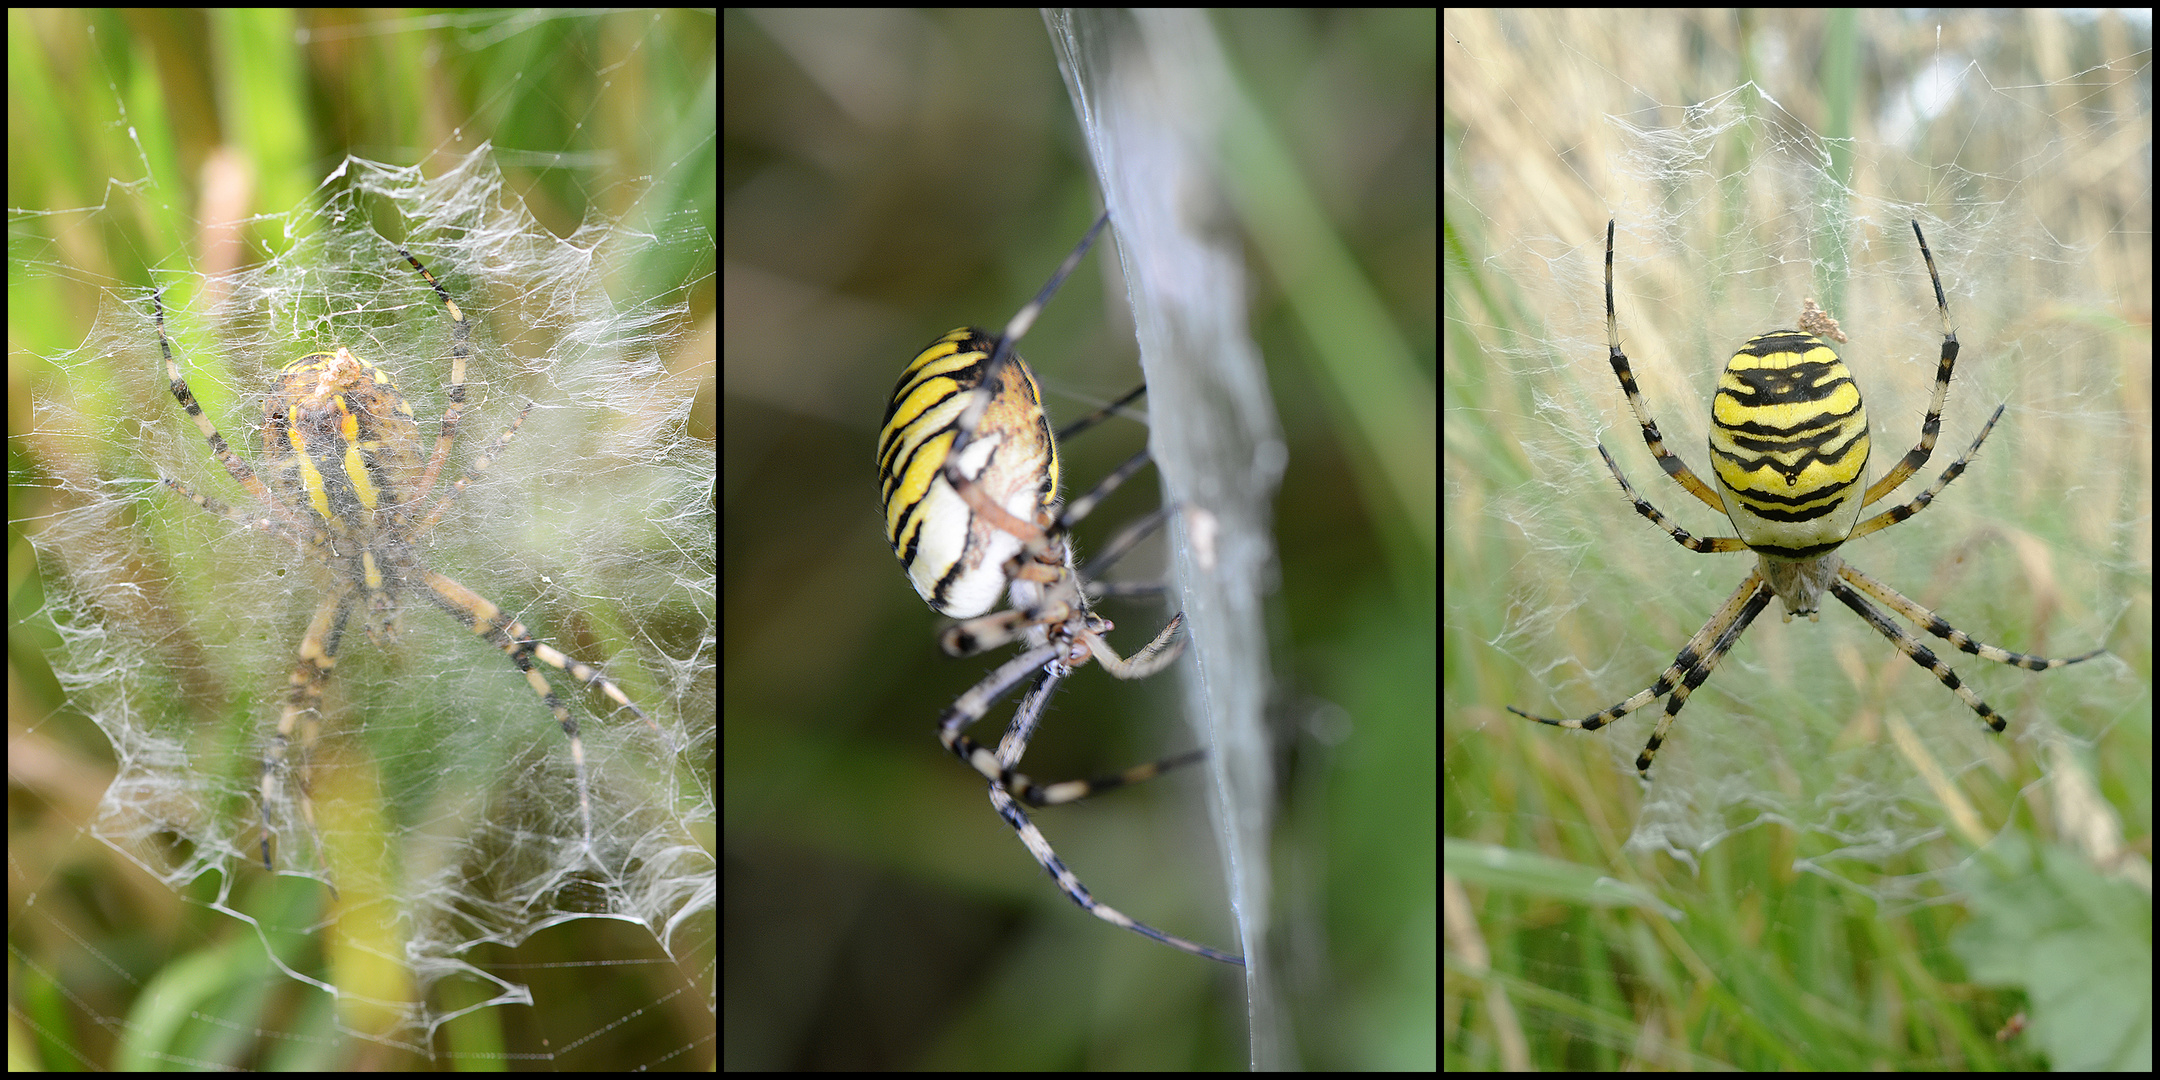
(1789, 451)
(968, 468)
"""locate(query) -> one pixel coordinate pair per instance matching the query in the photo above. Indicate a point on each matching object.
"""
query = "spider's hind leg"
(1039, 846)
(1008, 788)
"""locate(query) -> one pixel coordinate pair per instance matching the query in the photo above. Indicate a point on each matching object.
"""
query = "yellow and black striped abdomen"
(953, 556)
(1789, 445)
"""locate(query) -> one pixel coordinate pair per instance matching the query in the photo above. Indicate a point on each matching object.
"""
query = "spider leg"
(1934, 624)
(455, 408)
(1696, 660)
(1669, 461)
(1921, 501)
(1039, 846)
(1028, 717)
(301, 715)
(482, 617)
(1757, 598)
(1702, 544)
(1115, 548)
(283, 520)
(480, 465)
(1932, 425)
(1920, 654)
(1005, 783)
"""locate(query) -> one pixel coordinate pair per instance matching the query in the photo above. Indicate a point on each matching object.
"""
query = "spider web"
(1815, 748)
(446, 808)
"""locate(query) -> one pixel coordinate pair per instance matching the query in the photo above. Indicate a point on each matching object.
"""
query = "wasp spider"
(968, 468)
(1789, 450)
(346, 485)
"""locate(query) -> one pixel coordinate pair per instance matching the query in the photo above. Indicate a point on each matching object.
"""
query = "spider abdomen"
(955, 557)
(1789, 445)
(339, 439)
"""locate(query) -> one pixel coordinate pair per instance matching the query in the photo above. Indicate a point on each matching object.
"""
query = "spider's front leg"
(281, 520)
